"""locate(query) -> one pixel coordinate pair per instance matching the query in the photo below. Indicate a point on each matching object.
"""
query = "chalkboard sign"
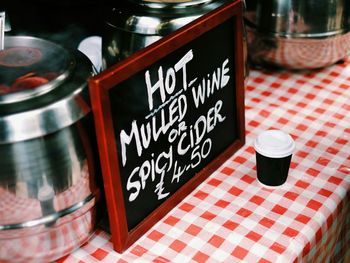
(167, 117)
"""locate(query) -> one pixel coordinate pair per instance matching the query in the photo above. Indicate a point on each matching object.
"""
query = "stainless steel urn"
(298, 34)
(136, 24)
(47, 158)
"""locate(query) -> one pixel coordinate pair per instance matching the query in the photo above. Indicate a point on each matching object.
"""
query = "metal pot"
(48, 163)
(298, 34)
(134, 25)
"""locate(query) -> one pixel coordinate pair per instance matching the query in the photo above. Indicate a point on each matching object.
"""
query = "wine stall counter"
(230, 217)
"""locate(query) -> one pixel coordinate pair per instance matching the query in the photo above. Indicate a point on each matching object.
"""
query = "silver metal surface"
(50, 218)
(49, 242)
(299, 18)
(137, 24)
(7, 23)
(48, 167)
(2, 30)
(296, 53)
(54, 57)
(172, 5)
(33, 113)
(64, 163)
(284, 33)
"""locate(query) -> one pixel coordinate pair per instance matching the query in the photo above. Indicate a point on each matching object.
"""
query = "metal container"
(47, 186)
(298, 34)
(134, 25)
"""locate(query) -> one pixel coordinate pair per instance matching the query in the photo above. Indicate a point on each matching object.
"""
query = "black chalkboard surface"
(167, 117)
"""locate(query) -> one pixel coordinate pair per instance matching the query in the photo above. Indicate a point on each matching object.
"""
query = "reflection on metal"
(51, 218)
(298, 34)
(2, 30)
(48, 155)
(137, 24)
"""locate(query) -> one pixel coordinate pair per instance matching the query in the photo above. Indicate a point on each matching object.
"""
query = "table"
(230, 217)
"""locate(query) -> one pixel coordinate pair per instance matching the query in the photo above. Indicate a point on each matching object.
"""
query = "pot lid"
(169, 5)
(158, 17)
(30, 67)
(44, 88)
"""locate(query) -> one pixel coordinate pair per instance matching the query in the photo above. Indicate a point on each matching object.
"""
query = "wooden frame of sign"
(167, 117)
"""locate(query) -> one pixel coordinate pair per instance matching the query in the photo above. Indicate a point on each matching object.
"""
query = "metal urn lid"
(296, 18)
(41, 88)
(158, 17)
(136, 24)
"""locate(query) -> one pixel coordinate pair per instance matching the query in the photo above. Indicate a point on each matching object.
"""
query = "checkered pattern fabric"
(230, 217)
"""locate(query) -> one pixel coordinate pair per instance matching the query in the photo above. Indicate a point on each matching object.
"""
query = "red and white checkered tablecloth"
(231, 218)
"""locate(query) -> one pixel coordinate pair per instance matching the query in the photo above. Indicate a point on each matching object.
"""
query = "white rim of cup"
(274, 144)
(271, 187)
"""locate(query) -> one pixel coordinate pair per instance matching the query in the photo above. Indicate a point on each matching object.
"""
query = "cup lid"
(274, 144)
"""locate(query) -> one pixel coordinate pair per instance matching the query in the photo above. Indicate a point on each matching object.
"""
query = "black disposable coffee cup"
(274, 150)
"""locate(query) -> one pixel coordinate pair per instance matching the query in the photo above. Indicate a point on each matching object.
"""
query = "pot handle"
(2, 30)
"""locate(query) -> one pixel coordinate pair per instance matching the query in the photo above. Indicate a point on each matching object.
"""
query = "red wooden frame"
(100, 85)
